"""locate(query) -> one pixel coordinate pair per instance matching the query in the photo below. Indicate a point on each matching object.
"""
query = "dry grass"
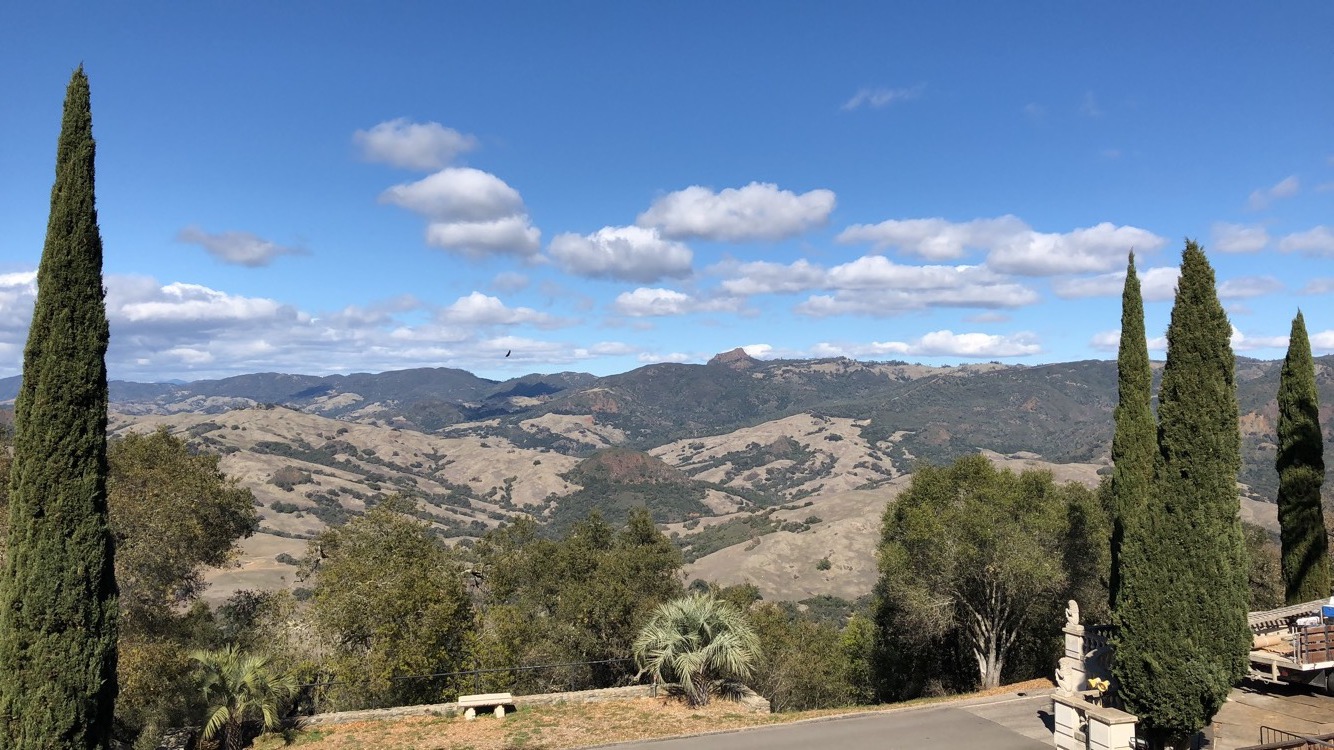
(562, 727)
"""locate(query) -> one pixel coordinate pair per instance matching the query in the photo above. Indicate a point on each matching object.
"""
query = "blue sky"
(337, 187)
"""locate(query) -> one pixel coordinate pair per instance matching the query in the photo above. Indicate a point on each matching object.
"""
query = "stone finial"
(1067, 680)
(1071, 614)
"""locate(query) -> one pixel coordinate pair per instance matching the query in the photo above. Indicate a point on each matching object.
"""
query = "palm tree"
(697, 642)
(237, 686)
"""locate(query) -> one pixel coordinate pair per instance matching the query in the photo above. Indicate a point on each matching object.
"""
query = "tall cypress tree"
(1301, 472)
(1183, 639)
(58, 591)
(1135, 441)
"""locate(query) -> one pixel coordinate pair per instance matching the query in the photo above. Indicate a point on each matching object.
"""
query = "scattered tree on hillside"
(1301, 472)
(972, 575)
(173, 514)
(389, 598)
(58, 590)
(1135, 442)
(1183, 640)
(698, 643)
(583, 597)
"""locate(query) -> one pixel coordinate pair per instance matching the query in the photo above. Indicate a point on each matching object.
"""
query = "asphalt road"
(926, 728)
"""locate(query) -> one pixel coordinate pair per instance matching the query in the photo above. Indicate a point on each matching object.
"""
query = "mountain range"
(759, 469)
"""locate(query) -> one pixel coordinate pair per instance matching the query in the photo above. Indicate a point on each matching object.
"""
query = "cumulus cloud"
(469, 211)
(875, 285)
(1243, 343)
(878, 98)
(457, 194)
(766, 277)
(1097, 248)
(1239, 238)
(1011, 245)
(512, 235)
(1249, 286)
(646, 302)
(413, 145)
(1110, 341)
(1285, 188)
(943, 343)
(935, 239)
(878, 303)
(185, 330)
(625, 253)
(1318, 240)
(1323, 341)
(1156, 284)
(237, 248)
(482, 309)
(758, 211)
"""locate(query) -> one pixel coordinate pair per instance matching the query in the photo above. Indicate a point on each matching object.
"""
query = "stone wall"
(520, 701)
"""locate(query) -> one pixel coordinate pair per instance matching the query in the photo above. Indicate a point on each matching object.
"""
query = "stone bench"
(498, 701)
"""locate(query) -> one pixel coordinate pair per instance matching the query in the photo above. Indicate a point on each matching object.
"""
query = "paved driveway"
(1002, 723)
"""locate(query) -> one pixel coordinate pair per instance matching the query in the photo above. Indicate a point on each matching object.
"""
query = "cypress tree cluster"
(1134, 443)
(1183, 640)
(58, 591)
(1301, 472)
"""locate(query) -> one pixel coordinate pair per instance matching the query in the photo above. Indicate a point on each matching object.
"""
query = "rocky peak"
(737, 359)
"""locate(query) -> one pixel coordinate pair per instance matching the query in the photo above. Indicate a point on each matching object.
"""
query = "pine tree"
(1301, 472)
(1182, 641)
(1135, 441)
(58, 591)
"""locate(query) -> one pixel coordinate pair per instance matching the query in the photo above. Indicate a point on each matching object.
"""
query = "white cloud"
(471, 212)
(1249, 286)
(758, 351)
(878, 272)
(1239, 238)
(645, 302)
(1156, 284)
(1322, 341)
(989, 316)
(937, 238)
(875, 285)
(1285, 188)
(512, 235)
(878, 303)
(1243, 343)
(413, 145)
(758, 211)
(194, 306)
(1011, 245)
(482, 309)
(651, 358)
(1102, 247)
(237, 248)
(626, 253)
(1110, 341)
(877, 98)
(940, 344)
(1318, 240)
(765, 277)
(457, 194)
